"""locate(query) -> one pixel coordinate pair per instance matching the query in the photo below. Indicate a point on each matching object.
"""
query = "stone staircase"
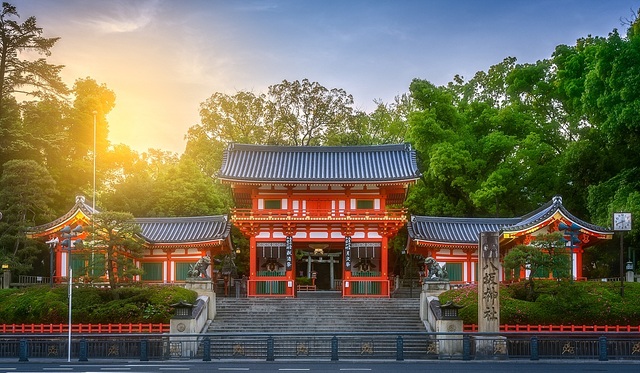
(316, 315)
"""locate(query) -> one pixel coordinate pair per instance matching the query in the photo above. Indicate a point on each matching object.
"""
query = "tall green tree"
(243, 118)
(490, 146)
(26, 195)
(598, 79)
(291, 113)
(21, 75)
(169, 187)
(306, 111)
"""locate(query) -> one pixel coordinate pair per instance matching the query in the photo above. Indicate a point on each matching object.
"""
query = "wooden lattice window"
(152, 271)
(272, 204)
(364, 204)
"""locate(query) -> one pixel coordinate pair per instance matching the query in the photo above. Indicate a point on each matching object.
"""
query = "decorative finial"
(557, 200)
(80, 199)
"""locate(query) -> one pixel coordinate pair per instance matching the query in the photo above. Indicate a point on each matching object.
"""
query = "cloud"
(125, 16)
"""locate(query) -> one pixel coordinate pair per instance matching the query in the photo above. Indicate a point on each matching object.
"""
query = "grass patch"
(131, 304)
(557, 303)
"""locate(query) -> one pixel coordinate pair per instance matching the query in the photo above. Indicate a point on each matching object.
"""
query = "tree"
(387, 124)
(243, 118)
(16, 73)
(547, 254)
(26, 195)
(166, 186)
(116, 236)
(306, 111)
(598, 80)
(291, 113)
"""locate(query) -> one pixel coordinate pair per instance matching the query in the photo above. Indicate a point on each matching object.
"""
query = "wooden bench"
(306, 288)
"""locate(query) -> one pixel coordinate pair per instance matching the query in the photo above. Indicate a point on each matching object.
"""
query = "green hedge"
(557, 303)
(131, 304)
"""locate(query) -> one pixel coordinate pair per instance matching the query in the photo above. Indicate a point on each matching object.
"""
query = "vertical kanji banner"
(489, 282)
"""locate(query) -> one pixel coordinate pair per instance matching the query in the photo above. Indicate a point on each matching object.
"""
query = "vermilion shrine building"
(325, 213)
(171, 245)
(321, 212)
(455, 240)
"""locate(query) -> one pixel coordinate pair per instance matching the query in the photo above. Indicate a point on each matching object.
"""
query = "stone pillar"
(488, 282)
(489, 296)
(6, 278)
(204, 287)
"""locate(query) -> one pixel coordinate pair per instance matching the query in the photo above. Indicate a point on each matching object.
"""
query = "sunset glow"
(163, 58)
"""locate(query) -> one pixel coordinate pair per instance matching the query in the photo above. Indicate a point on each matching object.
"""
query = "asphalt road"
(328, 367)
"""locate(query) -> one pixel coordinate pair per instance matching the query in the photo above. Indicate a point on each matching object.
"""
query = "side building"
(454, 241)
(171, 245)
(324, 214)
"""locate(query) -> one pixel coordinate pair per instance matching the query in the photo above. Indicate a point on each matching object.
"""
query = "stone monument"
(489, 269)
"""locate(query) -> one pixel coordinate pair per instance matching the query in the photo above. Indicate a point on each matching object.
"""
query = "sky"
(163, 58)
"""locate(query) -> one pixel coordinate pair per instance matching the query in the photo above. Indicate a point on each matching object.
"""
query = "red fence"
(560, 328)
(82, 328)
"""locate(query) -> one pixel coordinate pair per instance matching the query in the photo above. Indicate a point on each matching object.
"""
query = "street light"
(68, 234)
(572, 231)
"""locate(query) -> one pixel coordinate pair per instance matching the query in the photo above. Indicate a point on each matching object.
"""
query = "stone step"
(316, 315)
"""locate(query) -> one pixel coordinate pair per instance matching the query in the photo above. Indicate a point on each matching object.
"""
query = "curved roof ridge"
(318, 148)
(319, 164)
(466, 230)
(80, 205)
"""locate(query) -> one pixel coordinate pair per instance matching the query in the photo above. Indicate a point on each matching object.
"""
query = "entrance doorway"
(325, 267)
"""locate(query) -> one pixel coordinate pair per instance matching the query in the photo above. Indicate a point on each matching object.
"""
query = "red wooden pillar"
(253, 258)
(384, 260)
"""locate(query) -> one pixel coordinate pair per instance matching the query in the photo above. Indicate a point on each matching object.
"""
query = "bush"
(131, 304)
(558, 303)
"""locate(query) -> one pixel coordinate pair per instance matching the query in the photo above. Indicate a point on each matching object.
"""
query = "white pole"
(93, 203)
(70, 292)
(93, 206)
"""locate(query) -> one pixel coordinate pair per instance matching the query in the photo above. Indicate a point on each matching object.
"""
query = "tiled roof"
(548, 210)
(375, 163)
(184, 229)
(454, 230)
(466, 230)
(80, 205)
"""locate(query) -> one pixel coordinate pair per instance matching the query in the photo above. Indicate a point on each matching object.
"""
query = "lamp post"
(572, 231)
(68, 234)
(621, 224)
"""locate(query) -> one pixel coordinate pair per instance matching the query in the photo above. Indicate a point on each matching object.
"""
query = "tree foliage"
(26, 195)
(546, 255)
(116, 235)
(18, 73)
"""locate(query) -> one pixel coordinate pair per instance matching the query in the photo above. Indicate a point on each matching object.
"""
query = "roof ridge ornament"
(80, 199)
(557, 199)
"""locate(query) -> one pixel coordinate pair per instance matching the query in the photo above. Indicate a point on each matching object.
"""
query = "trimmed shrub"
(132, 304)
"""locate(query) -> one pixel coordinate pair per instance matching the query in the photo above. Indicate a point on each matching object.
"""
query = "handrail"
(84, 328)
(319, 214)
(560, 328)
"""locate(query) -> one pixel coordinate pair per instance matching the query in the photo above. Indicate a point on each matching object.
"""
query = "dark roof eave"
(318, 181)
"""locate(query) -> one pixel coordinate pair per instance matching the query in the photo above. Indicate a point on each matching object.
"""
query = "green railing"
(366, 287)
(271, 287)
(366, 274)
(270, 274)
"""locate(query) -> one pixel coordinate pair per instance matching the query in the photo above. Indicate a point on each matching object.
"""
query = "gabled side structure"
(172, 245)
(455, 240)
(320, 213)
